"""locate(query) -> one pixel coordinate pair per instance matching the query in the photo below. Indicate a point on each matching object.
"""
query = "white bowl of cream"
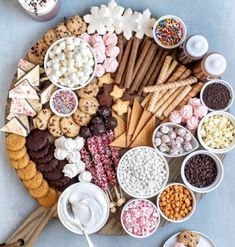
(84, 203)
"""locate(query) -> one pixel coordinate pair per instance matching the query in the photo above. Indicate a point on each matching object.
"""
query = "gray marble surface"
(215, 213)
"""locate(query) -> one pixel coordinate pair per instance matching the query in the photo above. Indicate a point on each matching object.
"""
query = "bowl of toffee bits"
(202, 171)
(217, 95)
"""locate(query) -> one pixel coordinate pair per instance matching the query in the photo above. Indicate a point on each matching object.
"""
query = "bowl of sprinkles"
(64, 102)
(169, 31)
(140, 218)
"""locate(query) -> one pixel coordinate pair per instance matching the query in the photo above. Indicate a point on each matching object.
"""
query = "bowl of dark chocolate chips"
(217, 95)
(202, 171)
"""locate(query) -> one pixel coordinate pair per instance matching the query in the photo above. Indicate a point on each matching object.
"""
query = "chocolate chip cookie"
(89, 106)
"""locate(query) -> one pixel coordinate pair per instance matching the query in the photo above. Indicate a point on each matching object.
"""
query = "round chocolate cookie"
(56, 173)
(48, 167)
(40, 153)
(48, 157)
(63, 183)
(37, 139)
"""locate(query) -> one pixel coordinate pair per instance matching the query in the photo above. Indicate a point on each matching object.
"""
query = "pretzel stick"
(120, 45)
(177, 100)
(122, 66)
(141, 57)
(131, 63)
(144, 66)
(171, 69)
(176, 84)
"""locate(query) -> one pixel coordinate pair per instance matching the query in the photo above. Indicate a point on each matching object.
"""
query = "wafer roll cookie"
(163, 97)
(186, 74)
(167, 102)
(176, 84)
(178, 73)
(153, 101)
(146, 100)
(162, 77)
(177, 100)
(171, 69)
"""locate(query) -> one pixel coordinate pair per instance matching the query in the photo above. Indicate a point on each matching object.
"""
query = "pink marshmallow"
(99, 70)
(200, 111)
(192, 123)
(86, 37)
(194, 102)
(110, 64)
(99, 53)
(112, 51)
(110, 39)
(186, 111)
(95, 38)
(175, 117)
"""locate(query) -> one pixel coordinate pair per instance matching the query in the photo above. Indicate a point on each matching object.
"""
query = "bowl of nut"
(216, 132)
(176, 203)
(173, 140)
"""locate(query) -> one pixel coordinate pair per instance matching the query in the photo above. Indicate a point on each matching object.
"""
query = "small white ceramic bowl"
(58, 84)
(131, 193)
(195, 143)
(182, 25)
(223, 83)
(185, 218)
(213, 150)
(219, 177)
(124, 227)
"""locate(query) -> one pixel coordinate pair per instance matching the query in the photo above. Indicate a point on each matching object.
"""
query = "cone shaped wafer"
(120, 141)
(121, 125)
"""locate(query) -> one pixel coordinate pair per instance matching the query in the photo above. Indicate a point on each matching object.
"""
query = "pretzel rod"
(122, 66)
(178, 73)
(162, 76)
(121, 47)
(194, 91)
(151, 70)
(141, 56)
(144, 67)
(168, 101)
(171, 69)
(131, 63)
(186, 74)
(177, 100)
(176, 84)
(146, 100)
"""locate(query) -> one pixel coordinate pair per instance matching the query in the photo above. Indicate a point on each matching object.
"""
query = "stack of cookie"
(27, 171)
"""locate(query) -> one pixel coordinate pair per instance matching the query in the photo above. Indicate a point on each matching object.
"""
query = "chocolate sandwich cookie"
(37, 139)
(40, 153)
(48, 157)
(48, 167)
(56, 173)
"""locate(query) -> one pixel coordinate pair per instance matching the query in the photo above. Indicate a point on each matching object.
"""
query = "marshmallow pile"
(70, 63)
(189, 114)
(105, 49)
(142, 172)
(174, 141)
(69, 149)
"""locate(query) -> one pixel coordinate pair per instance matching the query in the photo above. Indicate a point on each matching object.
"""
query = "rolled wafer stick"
(168, 101)
(163, 98)
(178, 73)
(194, 91)
(122, 65)
(162, 76)
(142, 44)
(141, 56)
(171, 69)
(121, 47)
(153, 101)
(146, 100)
(177, 100)
(131, 63)
(151, 71)
(144, 67)
(186, 74)
(176, 84)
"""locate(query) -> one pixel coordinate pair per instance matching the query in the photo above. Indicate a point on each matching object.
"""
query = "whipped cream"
(85, 176)
(38, 7)
(83, 203)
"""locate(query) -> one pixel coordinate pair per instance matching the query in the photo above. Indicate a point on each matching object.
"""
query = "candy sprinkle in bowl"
(169, 31)
(176, 140)
(63, 102)
(176, 203)
(142, 172)
(140, 218)
(217, 95)
(70, 63)
(202, 171)
(216, 132)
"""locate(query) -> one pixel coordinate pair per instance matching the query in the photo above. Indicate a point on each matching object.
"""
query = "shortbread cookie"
(69, 127)
(42, 119)
(76, 25)
(50, 199)
(15, 142)
(21, 163)
(89, 106)
(89, 91)
(16, 155)
(37, 139)
(50, 37)
(81, 118)
(37, 53)
(117, 92)
(62, 31)
(54, 126)
(189, 238)
(41, 191)
(28, 172)
(35, 182)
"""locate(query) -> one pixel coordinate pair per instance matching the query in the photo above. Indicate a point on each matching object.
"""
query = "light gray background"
(215, 213)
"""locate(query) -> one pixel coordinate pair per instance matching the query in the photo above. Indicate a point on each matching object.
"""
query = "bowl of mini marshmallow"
(70, 63)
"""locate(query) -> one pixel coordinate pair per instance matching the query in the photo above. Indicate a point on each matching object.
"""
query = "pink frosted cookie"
(175, 117)
(110, 64)
(110, 39)
(194, 102)
(200, 111)
(112, 51)
(186, 111)
(192, 123)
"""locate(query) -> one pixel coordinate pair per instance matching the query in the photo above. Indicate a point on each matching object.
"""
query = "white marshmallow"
(69, 40)
(56, 66)
(57, 50)
(51, 55)
(62, 45)
(76, 41)
(63, 69)
(70, 47)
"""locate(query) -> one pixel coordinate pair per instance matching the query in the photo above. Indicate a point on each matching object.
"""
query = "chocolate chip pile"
(216, 96)
(200, 170)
